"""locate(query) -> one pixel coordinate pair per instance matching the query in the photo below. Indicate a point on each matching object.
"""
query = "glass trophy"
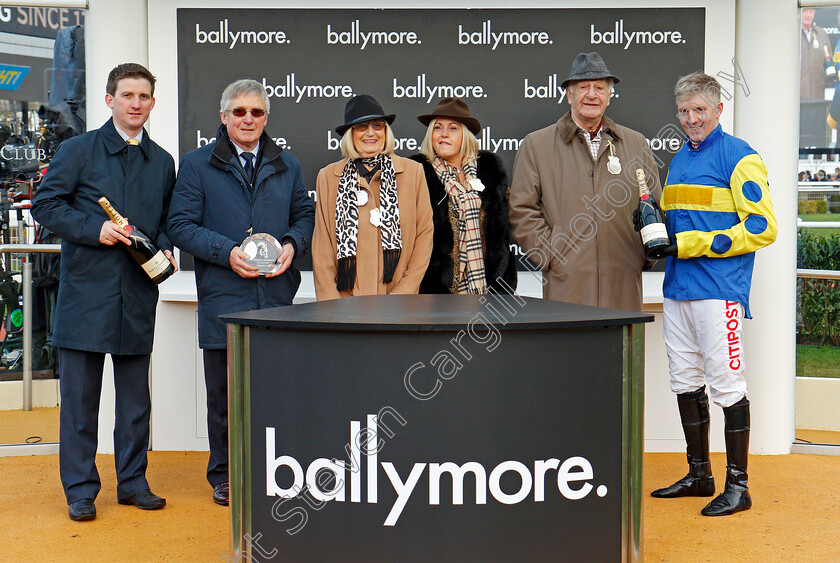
(263, 250)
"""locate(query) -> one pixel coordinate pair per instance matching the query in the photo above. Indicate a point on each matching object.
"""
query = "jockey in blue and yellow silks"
(718, 213)
(717, 205)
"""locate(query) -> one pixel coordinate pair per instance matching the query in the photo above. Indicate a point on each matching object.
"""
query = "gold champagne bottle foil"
(112, 213)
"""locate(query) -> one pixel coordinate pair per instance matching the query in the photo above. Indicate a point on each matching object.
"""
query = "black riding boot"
(735, 497)
(694, 413)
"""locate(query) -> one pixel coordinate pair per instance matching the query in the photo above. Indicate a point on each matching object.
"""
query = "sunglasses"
(240, 112)
(363, 127)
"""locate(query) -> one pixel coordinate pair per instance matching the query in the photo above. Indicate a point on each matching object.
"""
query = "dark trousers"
(81, 386)
(215, 379)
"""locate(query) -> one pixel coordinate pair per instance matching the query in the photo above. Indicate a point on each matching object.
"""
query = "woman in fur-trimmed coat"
(468, 190)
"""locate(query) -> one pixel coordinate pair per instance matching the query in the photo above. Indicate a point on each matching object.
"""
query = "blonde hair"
(348, 149)
(469, 144)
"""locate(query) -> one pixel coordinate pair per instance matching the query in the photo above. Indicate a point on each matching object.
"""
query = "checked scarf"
(347, 221)
(471, 266)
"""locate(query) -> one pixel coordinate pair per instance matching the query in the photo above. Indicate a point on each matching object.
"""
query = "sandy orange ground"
(21, 427)
(34, 525)
(795, 515)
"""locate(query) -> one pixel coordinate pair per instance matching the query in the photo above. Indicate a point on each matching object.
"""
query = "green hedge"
(818, 301)
(811, 207)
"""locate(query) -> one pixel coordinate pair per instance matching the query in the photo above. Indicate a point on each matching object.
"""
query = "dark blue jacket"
(106, 302)
(214, 209)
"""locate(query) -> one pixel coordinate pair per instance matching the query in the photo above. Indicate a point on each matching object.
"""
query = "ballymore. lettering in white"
(489, 37)
(423, 91)
(200, 141)
(400, 143)
(486, 142)
(546, 91)
(619, 36)
(355, 36)
(572, 476)
(225, 36)
(290, 89)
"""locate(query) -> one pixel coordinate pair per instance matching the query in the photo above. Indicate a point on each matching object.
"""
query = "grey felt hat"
(589, 66)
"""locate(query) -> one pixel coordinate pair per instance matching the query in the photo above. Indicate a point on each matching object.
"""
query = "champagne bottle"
(653, 231)
(142, 249)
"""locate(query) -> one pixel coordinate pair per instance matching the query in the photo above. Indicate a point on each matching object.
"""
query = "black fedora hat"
(360, 109)
(453, 108)
(589, 66)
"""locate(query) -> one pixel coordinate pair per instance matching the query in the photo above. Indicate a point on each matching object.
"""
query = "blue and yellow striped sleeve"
(836, 58)
(749, 197)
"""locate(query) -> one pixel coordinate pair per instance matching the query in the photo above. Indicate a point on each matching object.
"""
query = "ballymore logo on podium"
(571, 476)
(225, 36)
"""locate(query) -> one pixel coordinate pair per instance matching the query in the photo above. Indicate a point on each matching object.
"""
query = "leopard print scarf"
(347, 221)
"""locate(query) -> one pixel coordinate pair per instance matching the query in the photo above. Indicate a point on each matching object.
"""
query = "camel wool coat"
(416, 228)
(574, 218)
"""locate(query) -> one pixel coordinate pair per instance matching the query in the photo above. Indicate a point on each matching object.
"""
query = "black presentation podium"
(436, 428)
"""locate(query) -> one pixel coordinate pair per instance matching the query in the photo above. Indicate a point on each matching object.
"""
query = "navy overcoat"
(106, 302)
(214, 208)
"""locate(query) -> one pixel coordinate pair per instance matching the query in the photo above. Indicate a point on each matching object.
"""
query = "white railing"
(818, 274)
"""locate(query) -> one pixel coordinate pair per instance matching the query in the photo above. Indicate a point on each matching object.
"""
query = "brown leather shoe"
(221, 494)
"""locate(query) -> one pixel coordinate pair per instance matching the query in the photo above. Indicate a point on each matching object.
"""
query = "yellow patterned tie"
(132, 141)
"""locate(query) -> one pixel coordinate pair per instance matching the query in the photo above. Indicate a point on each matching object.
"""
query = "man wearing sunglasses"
(239, 185)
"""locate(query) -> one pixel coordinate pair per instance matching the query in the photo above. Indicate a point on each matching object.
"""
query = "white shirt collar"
(240, 150)
(125, 136)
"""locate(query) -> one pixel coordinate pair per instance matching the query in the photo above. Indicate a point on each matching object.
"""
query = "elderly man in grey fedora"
(574, 192)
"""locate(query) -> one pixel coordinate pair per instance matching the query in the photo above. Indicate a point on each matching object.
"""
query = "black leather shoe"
(221, 494)
(82, 510)
(145, 499)
(698, 483)
(733, 499)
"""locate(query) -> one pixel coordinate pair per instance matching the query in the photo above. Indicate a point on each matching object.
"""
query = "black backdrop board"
(538, 412)
(507, 65)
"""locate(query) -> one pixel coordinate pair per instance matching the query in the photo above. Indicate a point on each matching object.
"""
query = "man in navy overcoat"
(106, 301)
(240, 184)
